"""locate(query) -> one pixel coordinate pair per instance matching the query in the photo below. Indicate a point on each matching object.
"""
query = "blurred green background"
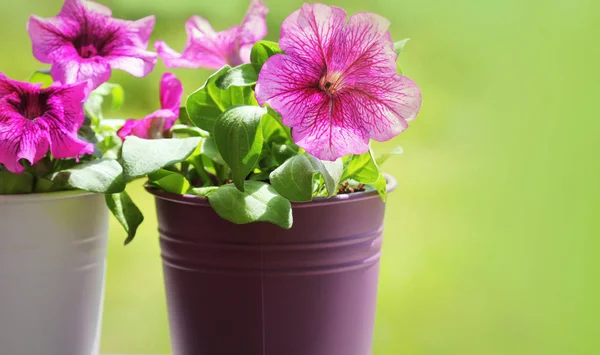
(492, 234)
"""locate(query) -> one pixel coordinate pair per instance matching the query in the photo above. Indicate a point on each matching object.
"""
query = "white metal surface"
(52, 264)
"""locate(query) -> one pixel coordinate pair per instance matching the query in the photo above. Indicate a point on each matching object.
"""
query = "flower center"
(32, 105)
(331, 82)
(87, 51)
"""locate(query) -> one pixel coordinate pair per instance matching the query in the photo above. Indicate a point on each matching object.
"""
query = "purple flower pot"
(257, 289)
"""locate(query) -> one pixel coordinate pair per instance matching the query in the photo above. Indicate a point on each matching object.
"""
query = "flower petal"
(171, 92)
(51, 37)
(35, 119)
(364, 49)
(308, 33)
(254, 25)
(63, 119)
(69, 99)
(20, 138)
(7, 85)
(253, 29)
(330, 129)
(204, 47)
(134, 60)
(140, 30)
(64, 144)
(172, 58)
(95, 71)
(150, 127)
(386, 104)
(80, 8)
(289, 86)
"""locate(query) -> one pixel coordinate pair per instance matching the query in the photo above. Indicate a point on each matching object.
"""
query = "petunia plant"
(290, 123)
(53, 135)
(276, 124)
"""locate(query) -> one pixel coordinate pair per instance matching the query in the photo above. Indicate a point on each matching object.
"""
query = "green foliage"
(364, 169)
(95, 100)
(239, 139)
(209, 149)
(206, 104)
(263, 50)
(100, 176)
(399, 46)
(182, 131)
(294, 178)
(384, 157)
(257, 202)
(126, 212)
(141, 157)
(11, 184)
(243, 75)
(169, 181)
(361, 168)
(283, 152)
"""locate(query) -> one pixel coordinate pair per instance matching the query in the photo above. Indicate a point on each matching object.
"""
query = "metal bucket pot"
(258, 289)
(52, 264)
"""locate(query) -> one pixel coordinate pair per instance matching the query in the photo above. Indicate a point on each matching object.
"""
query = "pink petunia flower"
(34, 120)
(206, 48)
(158, 123)
(337, 84)
(83, 42)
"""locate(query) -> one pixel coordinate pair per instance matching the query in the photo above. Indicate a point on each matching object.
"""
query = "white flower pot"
(52, 265)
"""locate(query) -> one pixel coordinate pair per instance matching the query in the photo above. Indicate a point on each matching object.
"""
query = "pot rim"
(340, 198)
(44, 196)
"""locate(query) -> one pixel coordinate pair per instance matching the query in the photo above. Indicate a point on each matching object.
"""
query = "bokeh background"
(492, 234)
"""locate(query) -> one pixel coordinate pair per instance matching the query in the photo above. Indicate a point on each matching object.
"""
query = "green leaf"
(383, 158)
(283, 152)
(183, 116)
(115, 91)
(15, 183)
(294, 178)
(169, 181)
(263, 50)
(399, 46)
(243, 75)
(44, 185)
(238, 136)
(259, 202)
(42, 76)
(381, 186)
(111, 124)
(110, 146)
(100, 176)
(126, 212)
(86, 132)
(202, 191)
(273, 130)
(330, 170)
(362, 168)
(181, 130)
(206, 104)
(144, 156)
(93, 107)
(93, 104)
(209, 149)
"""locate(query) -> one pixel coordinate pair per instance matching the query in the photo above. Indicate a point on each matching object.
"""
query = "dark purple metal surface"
(257, 289)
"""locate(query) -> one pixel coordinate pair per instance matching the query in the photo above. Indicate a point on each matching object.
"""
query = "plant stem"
(199, 167)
